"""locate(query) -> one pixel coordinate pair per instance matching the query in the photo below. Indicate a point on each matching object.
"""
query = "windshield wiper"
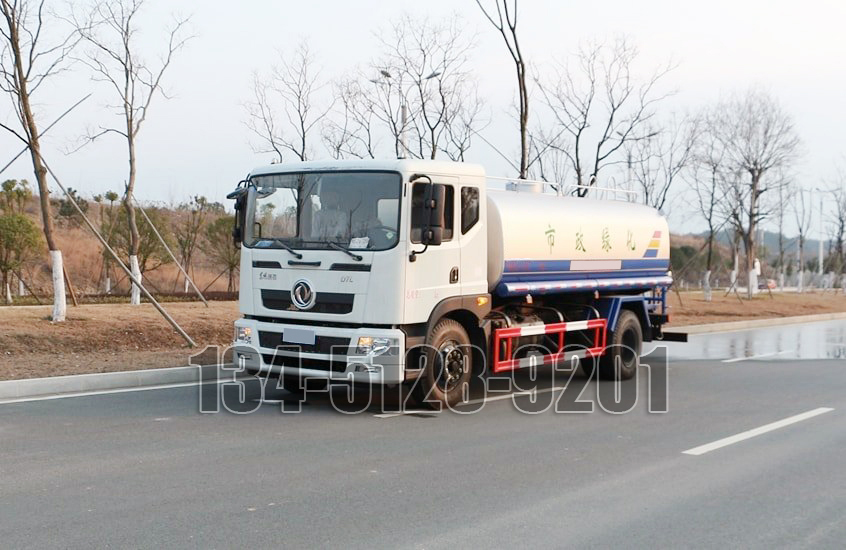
(296, 254)
(345, 250)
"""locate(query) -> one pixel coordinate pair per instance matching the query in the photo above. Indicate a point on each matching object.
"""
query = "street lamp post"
(385, 75)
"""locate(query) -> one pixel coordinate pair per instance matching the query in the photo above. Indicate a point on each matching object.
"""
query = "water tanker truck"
(419, 272)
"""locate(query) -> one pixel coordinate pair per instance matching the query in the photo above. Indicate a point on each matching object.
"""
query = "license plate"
(298, 336)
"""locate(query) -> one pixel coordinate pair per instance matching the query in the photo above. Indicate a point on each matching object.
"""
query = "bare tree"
(659, 160)
(350, 131)
(463, 122)
(785, 198)
(708, 182)
(290, 92)
(187, 231)
(838, 195)
(600, 107)
(424, 86)
(802, 211)
(218, 247)
(26, 62)
(760, 141)
(114, 59)
(505, 21)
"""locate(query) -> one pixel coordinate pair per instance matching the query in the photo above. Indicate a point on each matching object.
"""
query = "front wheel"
(448, 365)
(623, 352)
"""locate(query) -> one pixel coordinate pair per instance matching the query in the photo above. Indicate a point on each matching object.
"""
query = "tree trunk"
(135, 292)
(751, 275)
(524, 118)
(706, 285)
(31, 131)
(59, 301)
(8, 293)
(735, 267)
(134, 239)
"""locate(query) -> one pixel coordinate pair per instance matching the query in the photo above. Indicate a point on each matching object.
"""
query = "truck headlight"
(369, 345)
(243, 334)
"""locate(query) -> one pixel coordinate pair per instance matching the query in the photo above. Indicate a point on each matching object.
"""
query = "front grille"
(326, 302)
(322, 344)
(303, 363)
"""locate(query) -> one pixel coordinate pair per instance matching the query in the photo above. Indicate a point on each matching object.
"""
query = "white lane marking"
(759, 356)
(743, 436)
(473, 402)
(53, 397)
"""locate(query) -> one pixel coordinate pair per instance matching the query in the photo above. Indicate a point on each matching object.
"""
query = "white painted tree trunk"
(706, 285)
(60, 305)
(8, 293)
(186, 284)
(753, 283)
(800, 283)
(781, 281)
(108, 285)
(21, 288)
(135, 293)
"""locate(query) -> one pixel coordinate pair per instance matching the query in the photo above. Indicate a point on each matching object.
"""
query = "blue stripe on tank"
(516, 269)
(577, 275)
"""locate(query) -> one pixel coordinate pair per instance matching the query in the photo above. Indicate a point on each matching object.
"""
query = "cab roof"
(406, 166)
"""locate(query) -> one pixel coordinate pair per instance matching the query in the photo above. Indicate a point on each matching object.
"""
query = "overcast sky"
(196, 142)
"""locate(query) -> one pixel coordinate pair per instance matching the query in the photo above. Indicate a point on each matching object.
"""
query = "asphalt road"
(145, 469)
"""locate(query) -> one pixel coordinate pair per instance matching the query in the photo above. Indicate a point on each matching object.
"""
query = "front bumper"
(331, 355)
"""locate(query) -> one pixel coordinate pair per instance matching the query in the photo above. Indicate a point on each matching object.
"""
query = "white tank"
(541, 243)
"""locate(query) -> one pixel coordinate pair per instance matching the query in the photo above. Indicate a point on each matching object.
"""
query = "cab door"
(435, 274)
(473, 238)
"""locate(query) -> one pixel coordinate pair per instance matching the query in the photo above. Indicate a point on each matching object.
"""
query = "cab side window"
(469, 208)
(418, 196)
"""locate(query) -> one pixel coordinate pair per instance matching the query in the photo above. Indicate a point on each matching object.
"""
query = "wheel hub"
(452, 365)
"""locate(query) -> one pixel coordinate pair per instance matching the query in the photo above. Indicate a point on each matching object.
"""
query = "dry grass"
(694, 310)
(100, 338)
(115, 337)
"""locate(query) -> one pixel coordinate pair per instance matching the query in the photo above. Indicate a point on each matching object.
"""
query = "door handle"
(453, 276)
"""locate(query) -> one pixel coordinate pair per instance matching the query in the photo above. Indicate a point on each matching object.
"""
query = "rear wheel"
(448, 367)
(624, 347)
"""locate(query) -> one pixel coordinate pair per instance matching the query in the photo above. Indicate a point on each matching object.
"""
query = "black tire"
(449, 365)
(624, 345)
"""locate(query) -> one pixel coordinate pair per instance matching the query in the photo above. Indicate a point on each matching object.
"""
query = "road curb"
(82, 383)
(752, 324)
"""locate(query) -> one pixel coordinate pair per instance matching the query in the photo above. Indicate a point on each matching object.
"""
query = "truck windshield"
(357, 210)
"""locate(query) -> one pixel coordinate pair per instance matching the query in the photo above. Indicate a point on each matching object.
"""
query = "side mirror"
(433, 231)
(240, 219)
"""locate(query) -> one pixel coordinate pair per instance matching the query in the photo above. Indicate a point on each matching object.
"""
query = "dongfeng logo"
(302, 295)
